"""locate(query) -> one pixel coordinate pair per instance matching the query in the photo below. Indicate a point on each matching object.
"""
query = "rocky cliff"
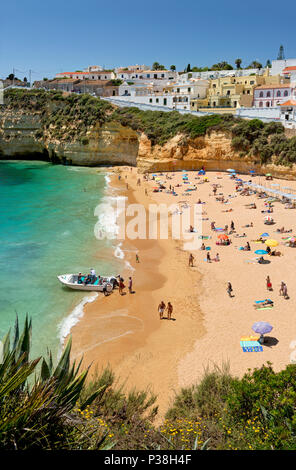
(213, 151)
(22, 135)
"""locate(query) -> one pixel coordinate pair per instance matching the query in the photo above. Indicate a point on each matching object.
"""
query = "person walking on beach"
(137, 258)
(282, 288)
(268, 283)
(191, 258)
(161, 308)
(130, 285)
(208, 257)
(229, 289)
(169, 310)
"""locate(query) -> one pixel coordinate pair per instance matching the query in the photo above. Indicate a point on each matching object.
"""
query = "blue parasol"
(265, 234)
(262, 327)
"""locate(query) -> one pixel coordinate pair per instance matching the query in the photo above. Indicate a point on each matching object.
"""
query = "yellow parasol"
(271, 242)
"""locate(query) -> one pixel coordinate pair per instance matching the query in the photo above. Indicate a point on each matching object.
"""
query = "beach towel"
(265, 308)
(251, 346)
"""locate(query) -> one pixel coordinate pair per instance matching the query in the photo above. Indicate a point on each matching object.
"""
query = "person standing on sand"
(137, 258)
(169, 310)
(208, 257)
(121, 286)
(130, 285)
(161, 308)
(191, 258)
(146, 193)
(229, 289)
(268, 283)
(126, 185)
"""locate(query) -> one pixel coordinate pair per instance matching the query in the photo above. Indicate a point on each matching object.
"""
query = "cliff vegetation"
(53, 407)
(72, 118)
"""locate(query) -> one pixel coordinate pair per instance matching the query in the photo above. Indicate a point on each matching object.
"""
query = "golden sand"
(144, 351)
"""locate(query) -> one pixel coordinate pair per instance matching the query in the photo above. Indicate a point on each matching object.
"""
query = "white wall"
(277, 66)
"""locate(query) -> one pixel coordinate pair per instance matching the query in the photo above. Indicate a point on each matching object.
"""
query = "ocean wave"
(108, 212)
(73, 318)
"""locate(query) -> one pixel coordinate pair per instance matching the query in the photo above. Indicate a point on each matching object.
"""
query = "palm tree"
(238, 63)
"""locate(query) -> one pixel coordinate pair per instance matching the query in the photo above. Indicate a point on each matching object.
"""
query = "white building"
(213, 74)
(88, 75)
(268, 96)
(277, 66)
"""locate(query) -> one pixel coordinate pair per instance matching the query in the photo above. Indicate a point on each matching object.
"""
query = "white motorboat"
(99, 285)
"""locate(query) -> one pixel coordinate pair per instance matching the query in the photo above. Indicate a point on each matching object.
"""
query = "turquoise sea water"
(47, 228)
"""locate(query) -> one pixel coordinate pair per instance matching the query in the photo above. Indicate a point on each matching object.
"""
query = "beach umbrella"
(252, 171)
(268, 218)
(154, 174)
(268, 174)
(223, 236)
(271, 243)
(230, 170)
(261, 252)
(262, 327)
(265, 234)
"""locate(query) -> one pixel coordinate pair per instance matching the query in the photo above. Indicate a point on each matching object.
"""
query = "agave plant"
(34, 402)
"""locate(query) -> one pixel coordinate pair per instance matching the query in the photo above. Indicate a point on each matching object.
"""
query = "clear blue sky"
(55, 36)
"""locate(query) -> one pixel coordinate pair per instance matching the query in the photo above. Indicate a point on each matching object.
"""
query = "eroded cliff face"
(23, 136)
(212, 151)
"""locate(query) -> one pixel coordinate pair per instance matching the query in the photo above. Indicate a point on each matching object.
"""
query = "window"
(267, 104)
(157, 100)
(261, 94)
(248, 92)
(214, 86)
(162, 75)
(150, 100)
(252, 82)
(148, 75)
(178, 90)
(260, 104)
(189, 90)
(164, 101)
(268, 94)
(286, 93)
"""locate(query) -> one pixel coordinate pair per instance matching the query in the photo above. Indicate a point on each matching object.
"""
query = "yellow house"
(229, 93)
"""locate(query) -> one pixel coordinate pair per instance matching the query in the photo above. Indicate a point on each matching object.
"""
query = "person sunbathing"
(275, 253)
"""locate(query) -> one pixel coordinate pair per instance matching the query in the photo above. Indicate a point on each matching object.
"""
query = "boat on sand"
(101, 283)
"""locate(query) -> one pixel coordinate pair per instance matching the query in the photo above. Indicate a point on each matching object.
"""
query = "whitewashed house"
(268, 96)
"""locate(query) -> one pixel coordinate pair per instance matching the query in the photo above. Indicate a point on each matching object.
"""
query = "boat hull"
(70, 281)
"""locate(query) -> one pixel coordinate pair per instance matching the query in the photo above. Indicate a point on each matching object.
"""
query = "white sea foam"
(118, 251)
(129, 266)
(108, 212)
(73, 318)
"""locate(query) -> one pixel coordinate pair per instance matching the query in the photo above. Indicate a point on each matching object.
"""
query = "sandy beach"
(146, 352)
